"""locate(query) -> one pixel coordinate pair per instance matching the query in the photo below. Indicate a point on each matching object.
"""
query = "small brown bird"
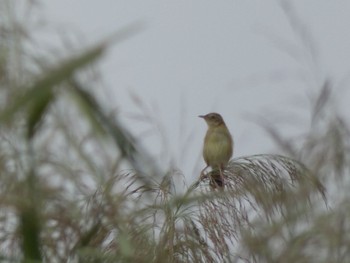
(218, 144)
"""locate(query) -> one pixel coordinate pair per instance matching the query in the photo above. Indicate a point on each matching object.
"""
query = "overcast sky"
(238, 58)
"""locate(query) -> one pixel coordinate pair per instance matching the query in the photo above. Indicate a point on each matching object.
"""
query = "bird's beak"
(201, 116)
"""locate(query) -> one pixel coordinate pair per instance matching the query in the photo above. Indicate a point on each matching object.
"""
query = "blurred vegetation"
(76, 186)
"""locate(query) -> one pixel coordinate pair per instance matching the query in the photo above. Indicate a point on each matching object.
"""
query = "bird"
(218, 145)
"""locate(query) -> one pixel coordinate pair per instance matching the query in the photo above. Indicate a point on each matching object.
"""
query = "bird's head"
(213, 119)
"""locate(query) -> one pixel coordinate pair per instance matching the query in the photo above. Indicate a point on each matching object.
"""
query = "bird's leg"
(221, 174)
(202, 175)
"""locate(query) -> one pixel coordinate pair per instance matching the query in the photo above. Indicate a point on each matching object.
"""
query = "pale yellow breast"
(218, 147)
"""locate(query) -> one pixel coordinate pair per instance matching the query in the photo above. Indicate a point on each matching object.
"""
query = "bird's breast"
(218, 147)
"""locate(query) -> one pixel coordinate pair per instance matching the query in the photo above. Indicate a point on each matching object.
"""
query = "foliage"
(76, 186)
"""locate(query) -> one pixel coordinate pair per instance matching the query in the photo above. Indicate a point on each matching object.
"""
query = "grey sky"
(195, 57)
